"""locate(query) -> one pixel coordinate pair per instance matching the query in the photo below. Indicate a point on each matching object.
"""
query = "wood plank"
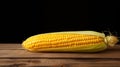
(6, 46)
(93, 65)
(13, 55)
(60, 62)
(26, 54)
(21, 53)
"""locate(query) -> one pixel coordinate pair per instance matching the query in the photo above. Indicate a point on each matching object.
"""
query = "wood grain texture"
(13, 55)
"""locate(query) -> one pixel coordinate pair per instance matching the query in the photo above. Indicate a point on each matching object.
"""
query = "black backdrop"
(21, 19)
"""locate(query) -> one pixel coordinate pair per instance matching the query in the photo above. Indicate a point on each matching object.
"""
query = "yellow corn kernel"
(71, 41)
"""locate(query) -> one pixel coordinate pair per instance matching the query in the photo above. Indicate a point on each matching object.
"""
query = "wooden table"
(13, 55)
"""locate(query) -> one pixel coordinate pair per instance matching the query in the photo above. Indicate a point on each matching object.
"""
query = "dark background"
(22, 19)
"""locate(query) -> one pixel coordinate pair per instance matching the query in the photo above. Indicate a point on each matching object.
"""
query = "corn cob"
(69, 41)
